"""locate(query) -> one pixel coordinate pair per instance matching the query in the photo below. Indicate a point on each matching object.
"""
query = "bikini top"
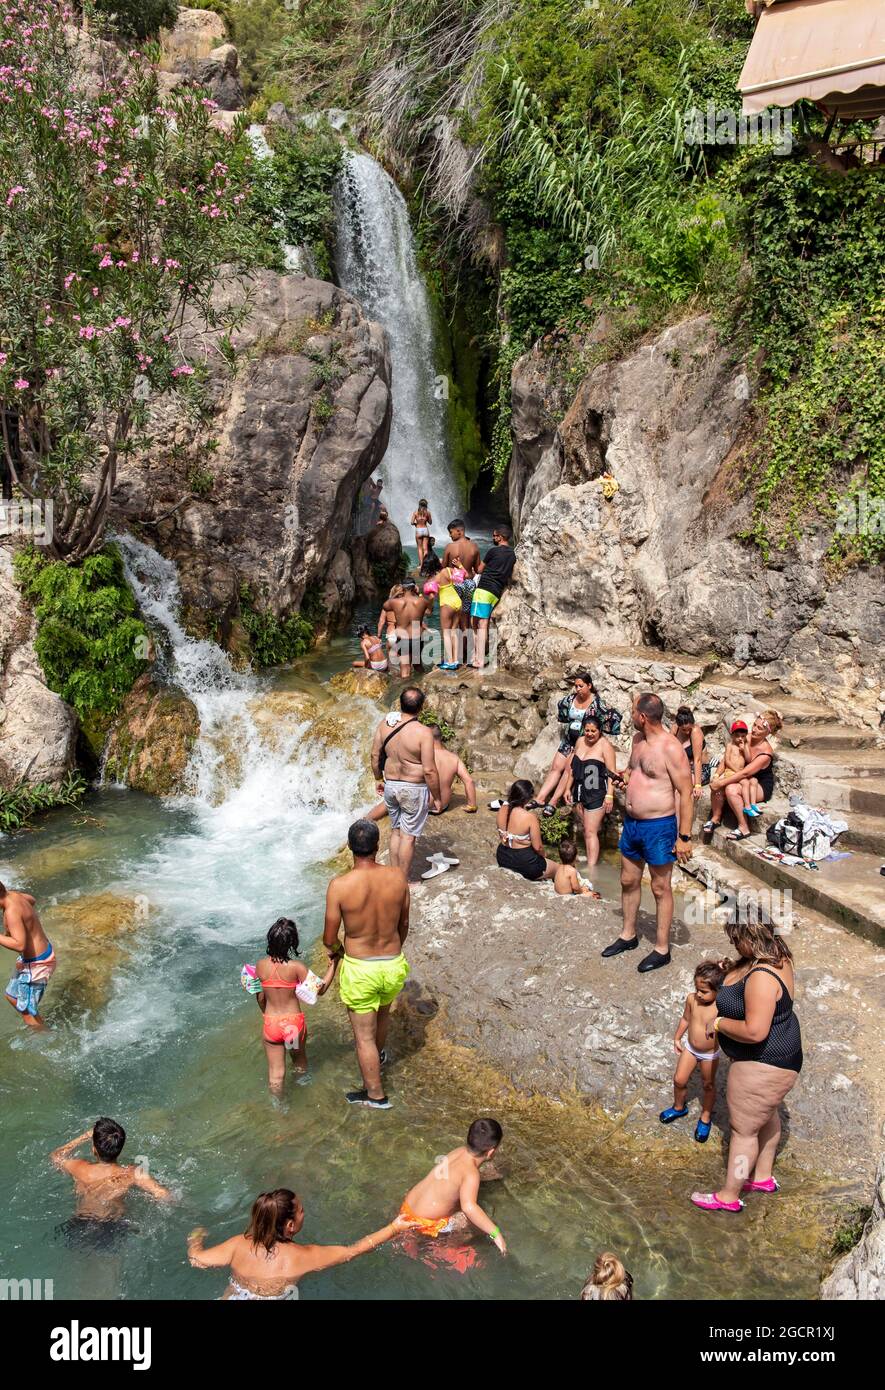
(307, 990)
(377, 648)
(277, 983)
(510, 838)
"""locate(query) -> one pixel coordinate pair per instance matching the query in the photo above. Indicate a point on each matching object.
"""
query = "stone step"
(792, 709)
(865, 832)
(850, 892)
(824, 738)
(840, 765)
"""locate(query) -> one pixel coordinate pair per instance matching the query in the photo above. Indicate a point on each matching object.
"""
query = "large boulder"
(660, 561)
(150, 744)
(861, 1273)
(38, 730)
(297, 429)
(377, 561)
(195, 34)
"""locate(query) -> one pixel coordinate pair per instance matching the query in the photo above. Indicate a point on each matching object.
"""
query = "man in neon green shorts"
(371, 902)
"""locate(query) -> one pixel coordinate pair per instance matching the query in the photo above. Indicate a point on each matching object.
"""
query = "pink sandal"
(769, 1185)
(708, 1201)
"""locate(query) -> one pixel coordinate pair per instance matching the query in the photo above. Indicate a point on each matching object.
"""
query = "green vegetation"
(850, 1229)
(292, 194)
(447, 731)
(90, 641)
(274, 641)
(555, 828)
(136, 19)
(21, 803)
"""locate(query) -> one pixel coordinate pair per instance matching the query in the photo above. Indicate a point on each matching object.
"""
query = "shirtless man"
(371, 901)
(445, 1200)
(36, 961)
(101, 1186)
(408, 611)
(658, 785)
(404, 766)
(449, 766)
(461, 550)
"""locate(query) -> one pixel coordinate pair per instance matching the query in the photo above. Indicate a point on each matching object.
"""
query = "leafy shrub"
(138, 19)
(292, 193)
(21, 803)
(275, 641)
(91, 643)
(555, 828)
(447, 731)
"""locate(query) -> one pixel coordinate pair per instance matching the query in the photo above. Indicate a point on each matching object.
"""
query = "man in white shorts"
(404, 766)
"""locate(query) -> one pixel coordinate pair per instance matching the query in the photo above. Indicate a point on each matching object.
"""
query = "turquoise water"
(150, 1026)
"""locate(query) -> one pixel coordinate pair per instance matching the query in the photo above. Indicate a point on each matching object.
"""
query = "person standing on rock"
(23, 933)
(462, 551)
(657, 827)
(495, 570)
(408, 610)
(404, 765)
(371, 902)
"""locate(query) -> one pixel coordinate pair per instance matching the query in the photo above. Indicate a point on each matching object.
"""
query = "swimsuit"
(241, 1294)
(573, 715)
(289, 1029)
(408, 804)
(367, 985)
(782, 1047)
(706, 768)
(376, 665)
(482, 603)
(651, 841)
(520, 858)
(450, 598)
(426, 1225)
(701, 1056)
(589, 788)
(28, 984)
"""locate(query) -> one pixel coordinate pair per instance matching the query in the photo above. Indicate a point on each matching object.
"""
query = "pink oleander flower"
(13, 194)
(21, 384)
(105, 261)
(182, 371)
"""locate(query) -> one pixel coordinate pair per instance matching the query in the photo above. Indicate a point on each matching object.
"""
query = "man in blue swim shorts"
(657, 827)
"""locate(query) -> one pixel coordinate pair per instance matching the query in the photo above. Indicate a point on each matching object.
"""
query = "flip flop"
(711, 825)
(548, 810)
(667, 1116)
(702, 1131)
(470, 810)
(770, 1185)
(436, 870)
(738, 835)
(496, 804)
(708, 1201)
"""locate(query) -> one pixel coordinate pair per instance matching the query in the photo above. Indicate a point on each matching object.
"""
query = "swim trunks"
(289, 1029)
(28, 984)
(366, 986)
(426, 1225)
(650, 840)
(482, 604)
(408, 804)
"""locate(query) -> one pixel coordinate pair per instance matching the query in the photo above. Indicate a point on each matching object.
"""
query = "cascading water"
(375, 262)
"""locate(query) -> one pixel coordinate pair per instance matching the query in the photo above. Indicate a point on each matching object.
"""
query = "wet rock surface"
(861, 1273)
(152, 739)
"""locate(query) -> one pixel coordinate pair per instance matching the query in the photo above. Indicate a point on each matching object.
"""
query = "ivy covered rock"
(150, 743)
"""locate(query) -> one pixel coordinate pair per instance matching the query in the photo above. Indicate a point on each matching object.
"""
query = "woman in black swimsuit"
(746, 790)
(691, 736)
(758, 1030)
(572, 708)
(521, 848)
(593, 770)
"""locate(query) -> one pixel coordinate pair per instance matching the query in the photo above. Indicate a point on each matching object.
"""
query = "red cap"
(739, 727)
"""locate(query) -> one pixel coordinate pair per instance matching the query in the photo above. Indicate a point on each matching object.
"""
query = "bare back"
(410, 611)
(101, 1188)
(373, 904)
(464, 552)
(447, 767)
(439, 1193)
(408, 751)
(22, 922)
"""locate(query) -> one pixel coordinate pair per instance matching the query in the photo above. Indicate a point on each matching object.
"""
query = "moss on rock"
(150, 744)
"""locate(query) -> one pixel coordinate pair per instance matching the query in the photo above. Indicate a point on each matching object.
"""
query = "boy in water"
(101, 1186)
(692, 1045)
(445, 1200)
(567, 879)
(36, 959)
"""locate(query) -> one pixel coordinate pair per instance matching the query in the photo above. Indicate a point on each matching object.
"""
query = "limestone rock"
(294, 446)
(38, 730)
(861, 1273)
(371, 684)
(152, 737)
(91, 935)
(659, 562)
(195, 35)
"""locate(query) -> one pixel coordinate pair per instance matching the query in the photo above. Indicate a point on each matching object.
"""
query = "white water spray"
(375, 262)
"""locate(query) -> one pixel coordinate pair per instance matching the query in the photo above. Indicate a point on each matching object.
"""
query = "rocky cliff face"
(38, 730)
(660, 563)
(298, 429)
(861, 1273)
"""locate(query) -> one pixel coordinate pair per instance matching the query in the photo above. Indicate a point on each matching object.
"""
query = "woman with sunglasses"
(746, 790)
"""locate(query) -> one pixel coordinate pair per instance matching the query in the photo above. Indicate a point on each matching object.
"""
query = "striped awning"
(829, 51)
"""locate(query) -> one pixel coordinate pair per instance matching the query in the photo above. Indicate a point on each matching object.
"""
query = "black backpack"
(787, 834)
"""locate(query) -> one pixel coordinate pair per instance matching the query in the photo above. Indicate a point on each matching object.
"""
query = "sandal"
(548, 811)
(770, 1185)
(708, 1201)
(667, 1116)
(711, 825)
(738, 835)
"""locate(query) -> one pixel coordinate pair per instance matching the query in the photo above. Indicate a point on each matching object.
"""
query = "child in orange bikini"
(277, 982)
(445, 1200)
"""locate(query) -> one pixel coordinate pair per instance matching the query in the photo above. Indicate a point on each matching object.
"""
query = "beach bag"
(787, 834)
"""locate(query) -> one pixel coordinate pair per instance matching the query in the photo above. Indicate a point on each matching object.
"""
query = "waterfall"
(375, 262)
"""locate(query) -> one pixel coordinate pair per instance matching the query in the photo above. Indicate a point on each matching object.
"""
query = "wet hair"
(412, 700)
(270, 1213)
(684, 717)
(108, 1139)
(458, 522)
(383, 514)
(709, 973)
(652, 706)
(422, 501)
(484, 1135)
(363, 839)
(584, 676)
(432, 563)
(2, 890)
(363, 630)
(772, 719)
(609, 1281)
(282, 939)
(520, 792)
(436, 731)
(408, 584)
(568, 851)
(504, 532)
(760, 937)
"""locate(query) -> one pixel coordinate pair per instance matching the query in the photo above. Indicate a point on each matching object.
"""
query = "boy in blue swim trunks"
(657, 827)
(23, 933)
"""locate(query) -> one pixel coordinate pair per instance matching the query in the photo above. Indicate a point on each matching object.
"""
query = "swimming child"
(101, 1185)
(35, 962)
(285, 1026)
(421, 520)
(692, 1046)
(609, 1281)
(734, 759)
(445, 1200)
(374, 658)
(567, 879)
